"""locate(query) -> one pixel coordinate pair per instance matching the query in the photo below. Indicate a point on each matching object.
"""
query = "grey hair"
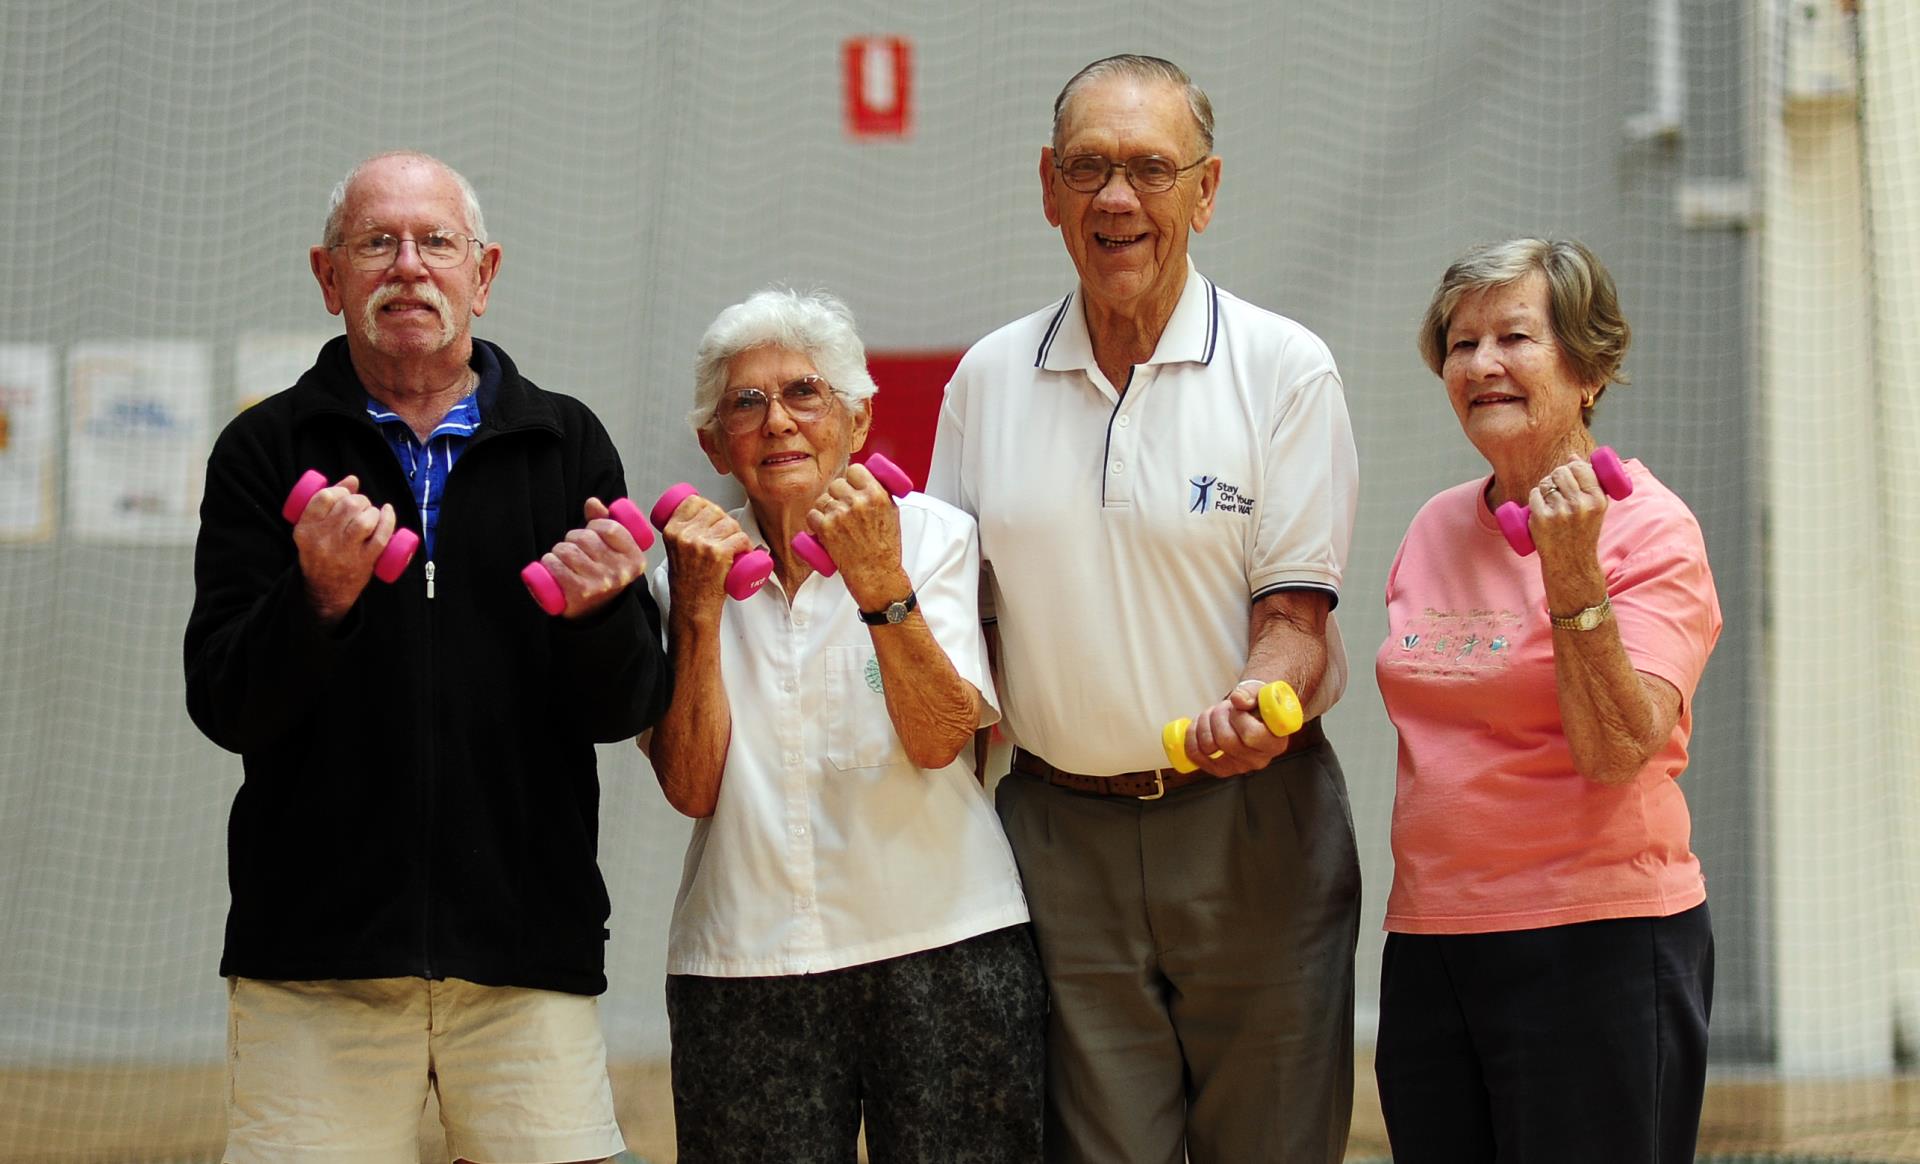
(1139, 68)
(337, 201)
(1583, 307)
(813, 323)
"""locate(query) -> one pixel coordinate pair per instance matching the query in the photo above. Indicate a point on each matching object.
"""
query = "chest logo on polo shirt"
(873, 672)
(1212, 495)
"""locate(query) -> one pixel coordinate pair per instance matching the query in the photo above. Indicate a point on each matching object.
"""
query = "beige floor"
(173, 1115)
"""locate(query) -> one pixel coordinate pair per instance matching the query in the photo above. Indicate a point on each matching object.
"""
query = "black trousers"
(943, 1051)
(1571, 1043)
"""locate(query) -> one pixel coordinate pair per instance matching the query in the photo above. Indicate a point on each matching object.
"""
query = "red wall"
(907, 409)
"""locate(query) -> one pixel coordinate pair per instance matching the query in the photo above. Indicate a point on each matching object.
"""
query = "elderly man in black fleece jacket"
(412, 854)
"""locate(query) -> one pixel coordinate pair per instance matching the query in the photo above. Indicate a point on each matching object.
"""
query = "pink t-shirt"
(1492, 827)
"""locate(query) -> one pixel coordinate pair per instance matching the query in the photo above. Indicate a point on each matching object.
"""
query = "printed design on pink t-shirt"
(1455, 644)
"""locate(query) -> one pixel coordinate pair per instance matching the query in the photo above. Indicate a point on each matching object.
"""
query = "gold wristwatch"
(1584, 620)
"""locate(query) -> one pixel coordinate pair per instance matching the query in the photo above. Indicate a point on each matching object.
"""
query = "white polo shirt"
(1126, 536)
(828, 848)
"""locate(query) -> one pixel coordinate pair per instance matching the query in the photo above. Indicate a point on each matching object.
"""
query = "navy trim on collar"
(1207, 348)
(1053, 329)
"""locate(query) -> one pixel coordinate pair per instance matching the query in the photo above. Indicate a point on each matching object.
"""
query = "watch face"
(898, 612)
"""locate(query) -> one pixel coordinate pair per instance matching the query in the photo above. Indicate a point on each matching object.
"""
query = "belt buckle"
(1159, 787)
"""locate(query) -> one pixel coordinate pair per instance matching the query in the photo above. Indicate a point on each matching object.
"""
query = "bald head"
(342, 193)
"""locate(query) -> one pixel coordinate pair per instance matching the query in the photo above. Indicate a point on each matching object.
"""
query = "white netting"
(163, 169)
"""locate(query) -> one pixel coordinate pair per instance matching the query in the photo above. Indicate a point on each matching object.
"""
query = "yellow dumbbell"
(1279, 710)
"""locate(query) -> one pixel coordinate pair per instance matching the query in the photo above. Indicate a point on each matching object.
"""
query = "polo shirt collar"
(1191, 336)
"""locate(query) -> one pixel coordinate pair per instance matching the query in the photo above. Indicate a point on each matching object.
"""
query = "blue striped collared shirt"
(426, 464)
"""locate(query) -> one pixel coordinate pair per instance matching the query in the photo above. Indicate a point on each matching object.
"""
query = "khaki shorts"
(338, 1071)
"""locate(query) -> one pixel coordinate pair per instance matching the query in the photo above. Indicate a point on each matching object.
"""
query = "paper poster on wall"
(137, 439)
(26, 442)
(268, 362)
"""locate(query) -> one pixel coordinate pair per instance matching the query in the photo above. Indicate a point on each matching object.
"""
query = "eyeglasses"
(742, 410)
(377, 252)
(1148, 173)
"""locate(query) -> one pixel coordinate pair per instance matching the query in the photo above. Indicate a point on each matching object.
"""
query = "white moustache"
(425, 293)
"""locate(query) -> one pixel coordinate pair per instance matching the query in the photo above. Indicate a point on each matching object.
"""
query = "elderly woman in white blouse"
(850, 938)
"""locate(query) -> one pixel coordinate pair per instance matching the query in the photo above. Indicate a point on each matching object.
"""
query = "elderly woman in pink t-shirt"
(1549, 962)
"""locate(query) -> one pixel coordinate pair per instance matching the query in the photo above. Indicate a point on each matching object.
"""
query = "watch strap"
(895, 612)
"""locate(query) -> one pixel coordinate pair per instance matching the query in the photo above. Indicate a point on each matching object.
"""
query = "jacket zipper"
(429, 786)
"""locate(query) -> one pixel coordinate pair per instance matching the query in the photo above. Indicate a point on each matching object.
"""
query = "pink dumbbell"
(1613, 478)
(392, 561)
(891, 476)
(750, 570)
(539, 580)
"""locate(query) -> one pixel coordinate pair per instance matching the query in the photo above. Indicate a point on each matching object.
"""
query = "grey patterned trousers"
(942, 1051)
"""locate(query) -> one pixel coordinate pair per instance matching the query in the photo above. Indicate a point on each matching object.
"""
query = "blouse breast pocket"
(859, 732)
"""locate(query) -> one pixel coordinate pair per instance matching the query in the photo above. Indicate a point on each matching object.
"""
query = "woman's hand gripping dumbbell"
(1515, 518)
(751, 566)
(1279, 710)
(888, 475)
(342, 537)
(593, 564)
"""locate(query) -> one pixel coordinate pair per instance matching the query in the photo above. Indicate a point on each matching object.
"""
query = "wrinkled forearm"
(1288, 640)
(689, 745)
(934, 710)
(1615, 717)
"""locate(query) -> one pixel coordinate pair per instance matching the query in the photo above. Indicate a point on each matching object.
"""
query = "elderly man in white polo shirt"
(1164, 477)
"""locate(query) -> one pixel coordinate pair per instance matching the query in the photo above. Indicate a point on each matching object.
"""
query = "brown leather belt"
(1150, 785)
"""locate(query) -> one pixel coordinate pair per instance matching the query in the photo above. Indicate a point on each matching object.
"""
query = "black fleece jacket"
(420, 795)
